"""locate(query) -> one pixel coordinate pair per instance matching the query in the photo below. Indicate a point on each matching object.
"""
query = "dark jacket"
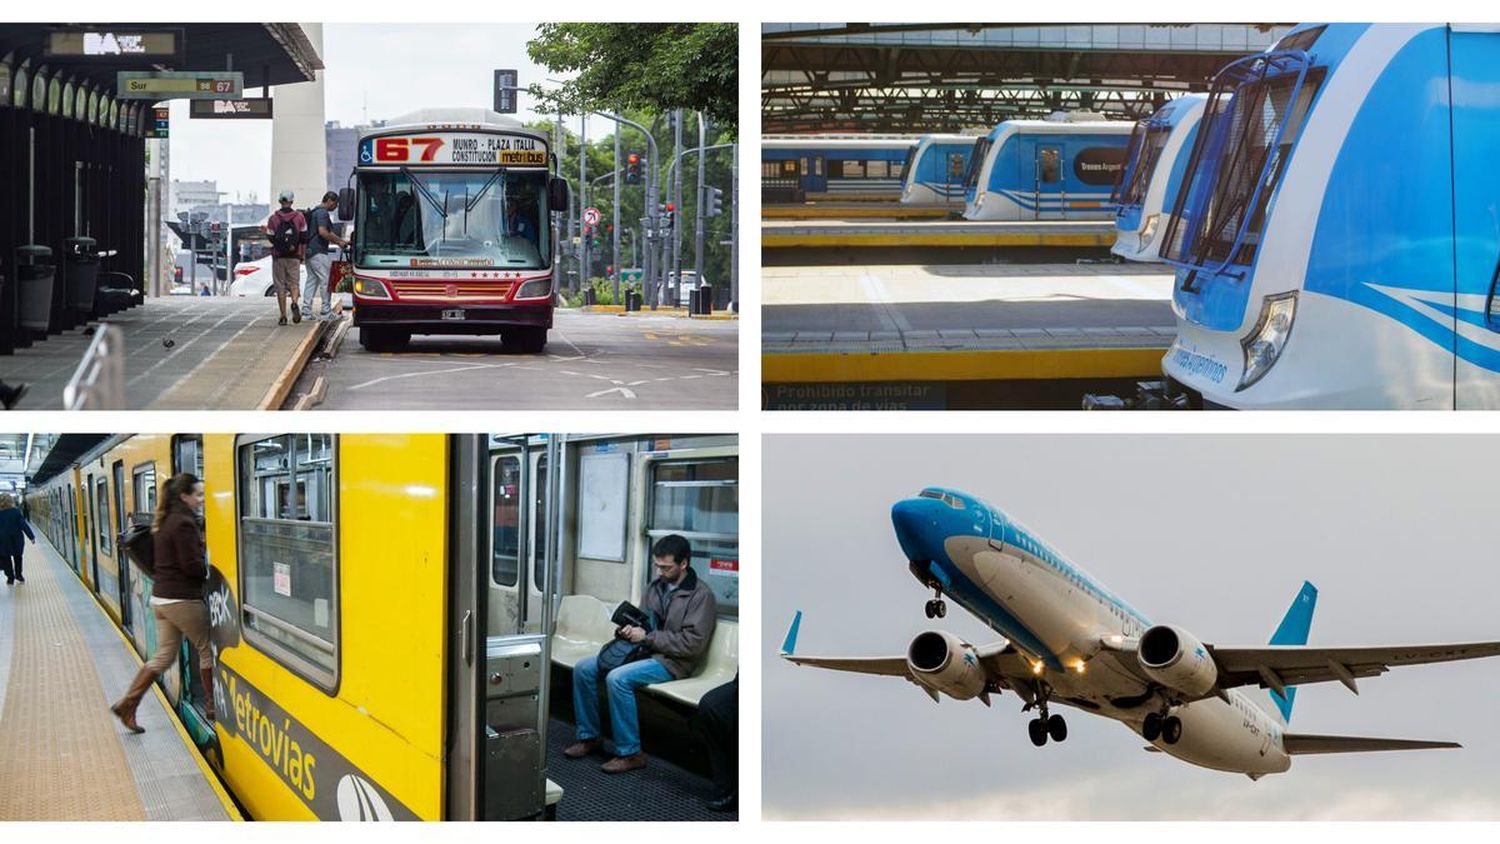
(686, 624)
(12, 527)
(181, 569)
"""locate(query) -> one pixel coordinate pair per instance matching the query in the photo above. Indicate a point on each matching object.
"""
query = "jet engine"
(945, 663)
(1177, 659)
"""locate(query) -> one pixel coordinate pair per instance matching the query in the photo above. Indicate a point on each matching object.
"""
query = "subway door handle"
(468, 637)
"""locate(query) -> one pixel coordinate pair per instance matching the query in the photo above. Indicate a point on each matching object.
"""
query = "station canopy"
(267, 53)
(951, 77)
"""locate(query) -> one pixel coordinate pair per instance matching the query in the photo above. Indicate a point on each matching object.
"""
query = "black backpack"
(309, 233)
(618, 652)
(285, 238)
(140, 544)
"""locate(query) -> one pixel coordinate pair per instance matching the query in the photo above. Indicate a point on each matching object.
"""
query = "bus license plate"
(454, 314)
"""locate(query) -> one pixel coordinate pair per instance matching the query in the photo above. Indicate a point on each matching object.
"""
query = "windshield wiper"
(425, 192)
(483, 189)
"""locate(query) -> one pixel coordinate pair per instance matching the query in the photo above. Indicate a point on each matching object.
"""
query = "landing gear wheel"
(1151, 728)
(941, 607)
(1057, 728)
(1171, 729)
(1038, 730)
(931, 609)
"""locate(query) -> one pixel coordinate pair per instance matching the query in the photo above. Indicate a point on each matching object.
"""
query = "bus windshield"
(495, 218)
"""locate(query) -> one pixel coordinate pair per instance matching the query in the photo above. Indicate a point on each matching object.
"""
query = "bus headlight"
(371, 288)
(537, 288)
(1264, 344)
(1148, 231)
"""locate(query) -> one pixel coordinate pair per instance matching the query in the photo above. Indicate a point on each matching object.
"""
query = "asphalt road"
(592, 361)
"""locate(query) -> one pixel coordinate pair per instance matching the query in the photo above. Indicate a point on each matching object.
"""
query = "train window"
(288, 557)
(771, 169)
(187, 454)
(539, 526)
(143, 488)
(878, 169)
(1047, 165)
(788, 168)
(850, 169)
(976, 162)
(505, 556)
(700, 500)
(119, 476)
(101, 523)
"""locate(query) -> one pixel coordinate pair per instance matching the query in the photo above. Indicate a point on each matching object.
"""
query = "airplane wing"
(892, 666)
(1279, 666)
(1301, 744)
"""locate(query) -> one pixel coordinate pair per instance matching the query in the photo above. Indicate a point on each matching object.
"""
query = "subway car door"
(91, 536)
(120, 559)
(1476, 208)
(498, 675)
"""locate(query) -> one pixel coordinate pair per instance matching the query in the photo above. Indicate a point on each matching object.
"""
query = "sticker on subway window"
(724, 568)
(281, 579)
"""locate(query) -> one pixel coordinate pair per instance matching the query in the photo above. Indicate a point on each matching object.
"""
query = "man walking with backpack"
(320, 255)
(287, 229)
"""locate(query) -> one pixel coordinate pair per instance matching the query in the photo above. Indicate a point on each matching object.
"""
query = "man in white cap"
(286, 228)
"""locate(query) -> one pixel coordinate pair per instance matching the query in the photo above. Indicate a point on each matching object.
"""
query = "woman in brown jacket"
(176, 594)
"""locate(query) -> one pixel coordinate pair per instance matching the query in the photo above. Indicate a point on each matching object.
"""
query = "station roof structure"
(948, 77)
(267, 53)
(60, 452)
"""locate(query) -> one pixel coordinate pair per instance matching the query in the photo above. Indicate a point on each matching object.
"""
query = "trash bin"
(35, 276)
(705, 299)
(83, 276)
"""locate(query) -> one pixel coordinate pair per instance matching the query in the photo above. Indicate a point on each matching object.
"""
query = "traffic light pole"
(614, 255)
(698, 205)
(650, 222)
(676, 239)
(583, 181)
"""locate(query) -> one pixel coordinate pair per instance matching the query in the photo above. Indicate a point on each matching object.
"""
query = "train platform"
(63, 755)
(181, 353)
(858, 210)
(958, 336)
(791, 234)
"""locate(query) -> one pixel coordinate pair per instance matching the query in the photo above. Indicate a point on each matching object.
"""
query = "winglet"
(789, 646)
(1293, 630)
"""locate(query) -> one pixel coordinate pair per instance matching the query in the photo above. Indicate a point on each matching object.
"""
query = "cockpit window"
(930, 493)
(951, 500)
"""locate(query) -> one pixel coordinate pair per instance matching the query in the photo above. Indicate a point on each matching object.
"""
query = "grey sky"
(375, 70)
(1214, 533)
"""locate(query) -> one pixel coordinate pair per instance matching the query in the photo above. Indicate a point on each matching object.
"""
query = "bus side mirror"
(346, 203)
(557, 194)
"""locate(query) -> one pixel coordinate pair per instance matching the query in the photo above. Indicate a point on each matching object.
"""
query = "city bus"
(452, 234)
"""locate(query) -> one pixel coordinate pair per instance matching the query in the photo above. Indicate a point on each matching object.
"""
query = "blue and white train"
(1157, 159)
(1338, 242)
(935, 170)
(1061, 168)
(805, 167)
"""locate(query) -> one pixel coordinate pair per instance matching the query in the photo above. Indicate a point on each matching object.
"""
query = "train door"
(1049, 164)
(814, 173)
(499, 673)
(1476, 196)
(90, 537)
(118, 472)
(69, 528)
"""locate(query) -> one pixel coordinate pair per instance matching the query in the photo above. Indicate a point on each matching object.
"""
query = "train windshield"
(971, 175)
(1132, 149)
(495, 218)
(1249, 128)
(1133, 190)
(908, 167)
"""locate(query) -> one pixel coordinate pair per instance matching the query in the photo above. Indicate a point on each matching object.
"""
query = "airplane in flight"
(1069, 641)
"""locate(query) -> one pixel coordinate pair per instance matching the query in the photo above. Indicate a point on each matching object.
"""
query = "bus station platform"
(790, 234)
(63, 755)
(858, 210)
(976, 336)
(181, 353)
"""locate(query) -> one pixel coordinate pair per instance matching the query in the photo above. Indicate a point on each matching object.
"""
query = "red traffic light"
(671, 207)
(633, 158)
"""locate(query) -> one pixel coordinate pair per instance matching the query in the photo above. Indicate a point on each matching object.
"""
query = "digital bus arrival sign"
(180, 85)
(116, 45)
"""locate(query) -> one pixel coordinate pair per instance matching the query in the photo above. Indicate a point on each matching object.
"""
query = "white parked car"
(253, 278)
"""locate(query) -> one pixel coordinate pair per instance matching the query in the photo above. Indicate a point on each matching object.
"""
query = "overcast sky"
(374, 72)
(1212, 533)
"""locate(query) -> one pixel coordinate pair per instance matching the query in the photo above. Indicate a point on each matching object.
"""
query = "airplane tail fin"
(1293, 630)
(789, 646)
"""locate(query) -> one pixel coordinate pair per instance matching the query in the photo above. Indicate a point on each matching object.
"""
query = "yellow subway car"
(382, 604)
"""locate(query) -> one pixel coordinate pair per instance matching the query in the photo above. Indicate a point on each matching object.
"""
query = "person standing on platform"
(176, 595)
(320, 255)
(14, 531)
(286, 228)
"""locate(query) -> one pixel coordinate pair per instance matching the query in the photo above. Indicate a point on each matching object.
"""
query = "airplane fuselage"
(1060, 618)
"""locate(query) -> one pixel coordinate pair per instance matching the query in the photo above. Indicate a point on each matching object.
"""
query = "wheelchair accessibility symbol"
(365, 154)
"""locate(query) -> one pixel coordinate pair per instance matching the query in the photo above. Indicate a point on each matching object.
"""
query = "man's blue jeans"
(622, 683)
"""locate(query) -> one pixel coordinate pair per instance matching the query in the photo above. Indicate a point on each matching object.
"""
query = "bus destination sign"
(180, 85)
(454, 148)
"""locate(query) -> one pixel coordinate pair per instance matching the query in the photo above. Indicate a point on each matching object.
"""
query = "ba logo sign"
(359, 801)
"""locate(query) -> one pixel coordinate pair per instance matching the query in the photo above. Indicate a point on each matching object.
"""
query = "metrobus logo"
(397, 150)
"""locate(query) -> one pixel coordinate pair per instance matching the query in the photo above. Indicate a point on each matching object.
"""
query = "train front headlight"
(1148, 231)
(1264, 344)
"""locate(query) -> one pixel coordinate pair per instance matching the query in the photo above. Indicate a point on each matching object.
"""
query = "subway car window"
(187, 454)
(101, 523)
(288, 559)
(539, 526)
(700, 499)
(505, 562)
(143, 481)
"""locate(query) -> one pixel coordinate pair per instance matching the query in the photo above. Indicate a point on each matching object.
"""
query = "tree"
(652, 66)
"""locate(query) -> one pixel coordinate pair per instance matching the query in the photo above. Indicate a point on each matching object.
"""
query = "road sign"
(130, 45)
(180, 85)
(160, 118)
(592, 216)
(505, 91)
(630, 275)
(249, 108)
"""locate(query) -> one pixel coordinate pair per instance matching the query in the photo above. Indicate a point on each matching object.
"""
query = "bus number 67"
(400, 149)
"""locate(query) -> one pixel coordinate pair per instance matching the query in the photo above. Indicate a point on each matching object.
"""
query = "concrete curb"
(282, 386)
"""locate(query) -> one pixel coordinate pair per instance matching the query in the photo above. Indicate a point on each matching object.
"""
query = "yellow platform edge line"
(783, 241)
(978, 365)
(208, 772)
(813, 212)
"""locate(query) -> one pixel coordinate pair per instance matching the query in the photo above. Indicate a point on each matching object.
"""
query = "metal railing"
(99, 381)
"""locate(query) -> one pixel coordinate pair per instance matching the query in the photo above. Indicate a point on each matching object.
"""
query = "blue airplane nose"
(916, 522)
